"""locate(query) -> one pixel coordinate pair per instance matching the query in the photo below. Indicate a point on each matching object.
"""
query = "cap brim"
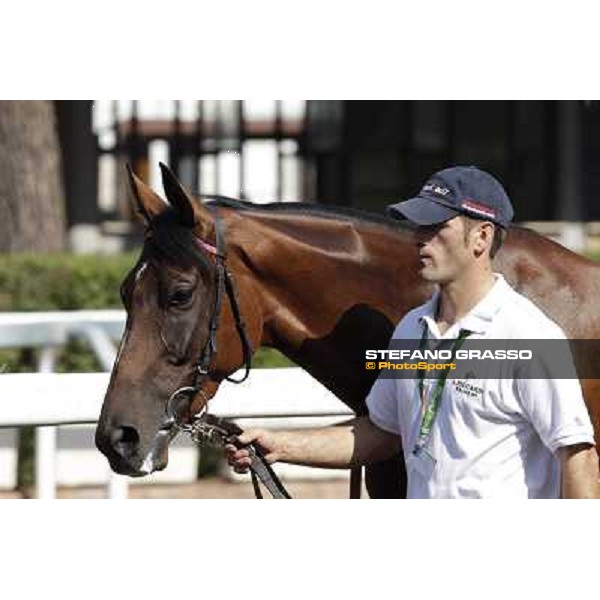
(422, 211)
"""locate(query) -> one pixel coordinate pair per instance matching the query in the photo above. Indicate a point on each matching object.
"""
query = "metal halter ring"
(170, 409)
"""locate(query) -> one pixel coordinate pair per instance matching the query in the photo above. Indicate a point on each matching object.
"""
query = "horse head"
(179, 310)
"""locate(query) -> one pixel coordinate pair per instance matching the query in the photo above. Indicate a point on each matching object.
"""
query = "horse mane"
(325, 211)
(169, 239)
(333, 212)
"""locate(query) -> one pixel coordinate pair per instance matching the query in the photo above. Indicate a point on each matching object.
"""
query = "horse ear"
(147, 203)
(192, 213)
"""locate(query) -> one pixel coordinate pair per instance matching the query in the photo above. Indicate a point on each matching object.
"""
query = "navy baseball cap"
(457, 191)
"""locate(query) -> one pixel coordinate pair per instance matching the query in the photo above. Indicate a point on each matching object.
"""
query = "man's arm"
(580, 477)
(355, 442)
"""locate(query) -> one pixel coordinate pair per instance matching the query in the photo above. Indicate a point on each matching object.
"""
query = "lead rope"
(216, 430)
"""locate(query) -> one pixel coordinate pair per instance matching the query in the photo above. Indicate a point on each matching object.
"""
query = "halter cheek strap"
(223, 283)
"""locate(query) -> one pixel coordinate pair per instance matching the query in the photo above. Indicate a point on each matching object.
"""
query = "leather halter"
(204, 426)
(223, 283)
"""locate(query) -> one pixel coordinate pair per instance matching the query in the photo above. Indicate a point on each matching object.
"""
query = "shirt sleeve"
(382, 403)
(557, 411)
(555, 406)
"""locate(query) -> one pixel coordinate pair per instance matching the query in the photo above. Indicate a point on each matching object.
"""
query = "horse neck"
(565, 285)
(308, 271)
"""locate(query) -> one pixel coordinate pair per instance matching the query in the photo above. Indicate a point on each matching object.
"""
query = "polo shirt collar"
(478, 319)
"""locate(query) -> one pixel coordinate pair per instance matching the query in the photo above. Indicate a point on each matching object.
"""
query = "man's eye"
(180, 297)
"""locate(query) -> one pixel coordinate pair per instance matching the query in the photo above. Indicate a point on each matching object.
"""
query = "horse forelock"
(170, 241)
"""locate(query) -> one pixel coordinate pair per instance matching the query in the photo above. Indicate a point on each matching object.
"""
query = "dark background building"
(353, 153)
(546, 153)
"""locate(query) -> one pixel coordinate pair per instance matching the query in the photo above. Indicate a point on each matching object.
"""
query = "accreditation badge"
(422, 462)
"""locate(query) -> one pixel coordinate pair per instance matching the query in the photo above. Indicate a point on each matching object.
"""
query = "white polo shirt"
(500, 440)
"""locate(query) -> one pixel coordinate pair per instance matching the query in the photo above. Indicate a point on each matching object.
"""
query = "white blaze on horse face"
(159, 445)
(123, 343)
(121, 346)
(140, 272)
(148, 464)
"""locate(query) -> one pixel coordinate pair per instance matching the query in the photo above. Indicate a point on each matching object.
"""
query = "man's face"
(447, 249)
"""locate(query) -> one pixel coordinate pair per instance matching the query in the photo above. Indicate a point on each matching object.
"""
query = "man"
(512, 437)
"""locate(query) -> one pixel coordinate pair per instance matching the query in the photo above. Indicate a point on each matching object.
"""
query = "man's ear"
(486, 236)
(146, 202)
(192, 213)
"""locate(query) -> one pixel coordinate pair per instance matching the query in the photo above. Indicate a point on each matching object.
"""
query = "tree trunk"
(32, 202)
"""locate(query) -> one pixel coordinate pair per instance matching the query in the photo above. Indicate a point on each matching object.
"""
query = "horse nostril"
(125, 440)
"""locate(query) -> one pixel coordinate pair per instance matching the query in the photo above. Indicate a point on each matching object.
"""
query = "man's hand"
(239, 458)
(580, 477)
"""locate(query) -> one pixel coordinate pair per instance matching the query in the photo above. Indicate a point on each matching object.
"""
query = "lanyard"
(433, 405)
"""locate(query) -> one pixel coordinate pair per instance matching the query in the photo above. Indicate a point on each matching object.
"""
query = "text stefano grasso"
(497, 354)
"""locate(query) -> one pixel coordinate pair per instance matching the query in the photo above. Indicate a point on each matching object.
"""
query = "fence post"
(117, 487)
(45, 440)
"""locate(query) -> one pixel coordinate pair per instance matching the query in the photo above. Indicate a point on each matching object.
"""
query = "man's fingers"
(240, 466)
(247, 437)
(234, 453)
(238, 453)
(238, 458)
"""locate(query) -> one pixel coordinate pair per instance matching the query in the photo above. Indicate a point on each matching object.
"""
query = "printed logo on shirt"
(466, 388)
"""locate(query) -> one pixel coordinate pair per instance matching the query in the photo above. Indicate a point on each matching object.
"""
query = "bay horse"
(320, 284)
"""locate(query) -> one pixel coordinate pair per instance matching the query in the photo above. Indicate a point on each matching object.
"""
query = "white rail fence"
(49, 332)
(57, 403)
(269, 398)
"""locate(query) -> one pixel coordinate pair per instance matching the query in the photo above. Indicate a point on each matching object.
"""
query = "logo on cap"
(479, 209)
(436, 189)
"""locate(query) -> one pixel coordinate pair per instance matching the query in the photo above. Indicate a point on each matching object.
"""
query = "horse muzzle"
(122, 447)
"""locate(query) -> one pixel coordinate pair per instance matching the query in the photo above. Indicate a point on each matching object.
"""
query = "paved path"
(212, 487)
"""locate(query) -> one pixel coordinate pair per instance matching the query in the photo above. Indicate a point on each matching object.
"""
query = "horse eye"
(180, 297)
